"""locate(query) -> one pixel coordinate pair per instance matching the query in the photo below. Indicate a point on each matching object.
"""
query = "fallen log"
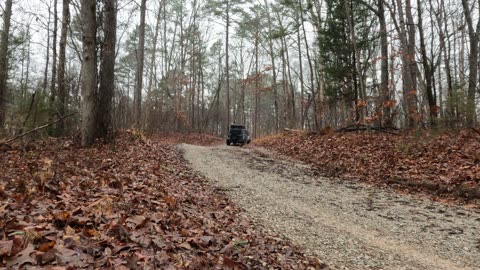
(362, 127)
(36, 129)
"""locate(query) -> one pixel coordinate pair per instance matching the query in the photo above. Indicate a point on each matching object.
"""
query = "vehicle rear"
(238, 135)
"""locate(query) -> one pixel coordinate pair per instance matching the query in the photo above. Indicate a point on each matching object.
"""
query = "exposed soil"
(350, 225)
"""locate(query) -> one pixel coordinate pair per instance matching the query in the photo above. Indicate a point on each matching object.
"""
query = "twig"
(362, 127)
(37, 128)
(476, 130)
(29, 109)
(385, 131)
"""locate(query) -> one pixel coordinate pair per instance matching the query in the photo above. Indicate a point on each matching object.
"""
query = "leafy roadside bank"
(133, 204)
(441, 165)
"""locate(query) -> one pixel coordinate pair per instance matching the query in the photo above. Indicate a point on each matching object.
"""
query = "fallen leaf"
(6, 248)
(22, 258)
(47, 246)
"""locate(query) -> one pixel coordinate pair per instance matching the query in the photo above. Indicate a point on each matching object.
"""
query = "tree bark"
(152, 62)
(47, 59)
(408, 56)
(89, 69)
(384, 60)
(53, 92)
(227, 67)
(473, 64)
(140, 65)
(62, 89)
(302, 85)
(274, 70)
(107, 71)
(256, 92)
(4, 60)
(426, 67)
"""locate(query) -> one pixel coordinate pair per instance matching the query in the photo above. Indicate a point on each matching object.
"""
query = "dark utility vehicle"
(238, 134)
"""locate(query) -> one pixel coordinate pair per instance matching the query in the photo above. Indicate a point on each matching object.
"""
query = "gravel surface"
(347, 225)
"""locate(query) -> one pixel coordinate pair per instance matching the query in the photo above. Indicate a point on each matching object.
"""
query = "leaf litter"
(444, 166)
(131, 204)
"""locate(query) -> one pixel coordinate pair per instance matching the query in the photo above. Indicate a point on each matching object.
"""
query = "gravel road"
(347, 225)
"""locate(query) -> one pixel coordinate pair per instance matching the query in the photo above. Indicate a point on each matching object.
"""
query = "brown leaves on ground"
(128, 205)
(446, 164)
(190, 138)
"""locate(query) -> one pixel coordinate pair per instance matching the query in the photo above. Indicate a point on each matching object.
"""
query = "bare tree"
(62, 88)
(89, 69)
(4, 60)
(107, 70)
(140, 65)
(472, 62)
(53, 92)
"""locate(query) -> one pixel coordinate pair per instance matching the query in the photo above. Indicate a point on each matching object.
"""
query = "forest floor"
(356, 201)
(349, 224)
(442, 165)
(131, 204)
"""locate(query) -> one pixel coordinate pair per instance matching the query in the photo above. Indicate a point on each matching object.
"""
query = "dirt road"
(345, 224)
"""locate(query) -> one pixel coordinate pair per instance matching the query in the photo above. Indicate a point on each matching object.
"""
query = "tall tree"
(89, 71)
(227, 63)
(107, 70)
(140, 65)
(427, 70)
(274, 69)
(225, 9)
(62, 88)
(409, 79)
(4, 60)
(53, 89)
(473, 33)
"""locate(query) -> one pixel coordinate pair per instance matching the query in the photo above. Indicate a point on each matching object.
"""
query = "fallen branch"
(291, 130)
(361, 127)
(37, 128)
(476, 130)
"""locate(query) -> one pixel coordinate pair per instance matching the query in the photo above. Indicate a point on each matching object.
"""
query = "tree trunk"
(47, 59)
(384, 61)
(473, 64)
(53, 92)
(4, 60)
(426, 67)
(361, 93)
(256, 92)
(408, 56)
(290, 94)
(302, 85)
(412, 93)
(446, 59)
(312, 72)
(227, 67)
(152, 62)
(107, 71)
(274, 71)
(140, 64)
(62, 89)
(89, 80)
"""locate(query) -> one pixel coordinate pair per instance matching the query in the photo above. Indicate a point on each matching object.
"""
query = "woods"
(198, 66)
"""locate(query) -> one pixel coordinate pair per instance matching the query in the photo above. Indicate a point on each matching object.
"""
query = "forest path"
(347, 225)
